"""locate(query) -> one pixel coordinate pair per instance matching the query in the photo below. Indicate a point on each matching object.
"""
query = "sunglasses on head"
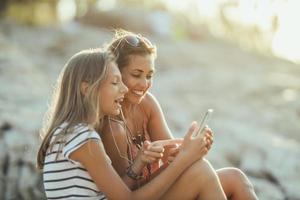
(134, 41)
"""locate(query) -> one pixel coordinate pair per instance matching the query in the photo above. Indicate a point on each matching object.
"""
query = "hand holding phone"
(203, 122)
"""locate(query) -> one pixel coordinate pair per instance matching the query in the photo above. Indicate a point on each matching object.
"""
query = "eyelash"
(138, 76)
(149, 77)
(115, 83)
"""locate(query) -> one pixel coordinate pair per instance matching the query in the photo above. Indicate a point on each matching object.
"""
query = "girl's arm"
(93, 157)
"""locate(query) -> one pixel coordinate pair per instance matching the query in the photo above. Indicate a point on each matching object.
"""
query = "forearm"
(132, 184)
(137, 167)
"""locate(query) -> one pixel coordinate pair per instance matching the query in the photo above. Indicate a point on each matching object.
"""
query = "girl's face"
(112, 91)
(137, 76)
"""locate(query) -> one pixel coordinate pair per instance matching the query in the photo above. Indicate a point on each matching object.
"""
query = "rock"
(12, 179)
(291, 187)
(3, 166)
(27, 182)
(16, 144)
(285, 168)
(266, 190)
(253, 163)
(5, 126)
(283, 155)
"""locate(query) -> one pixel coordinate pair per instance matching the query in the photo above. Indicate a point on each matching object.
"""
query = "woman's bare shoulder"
(150, 104)
(149, 101)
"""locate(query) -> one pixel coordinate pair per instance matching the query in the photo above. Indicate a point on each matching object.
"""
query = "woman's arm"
(93, 157)
(158, 128)
(157, 125)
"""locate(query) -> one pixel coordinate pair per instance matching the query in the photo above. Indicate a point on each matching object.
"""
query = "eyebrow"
(117, 76)
(139, 70)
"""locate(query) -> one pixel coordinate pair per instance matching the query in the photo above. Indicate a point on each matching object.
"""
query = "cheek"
(129, 82)
(106, 98)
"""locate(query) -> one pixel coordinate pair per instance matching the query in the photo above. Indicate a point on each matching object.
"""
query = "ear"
(84, 87)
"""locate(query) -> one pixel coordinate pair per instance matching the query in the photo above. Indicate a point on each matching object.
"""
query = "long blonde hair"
(68, 103)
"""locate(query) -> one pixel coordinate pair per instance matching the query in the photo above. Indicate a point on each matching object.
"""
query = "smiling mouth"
(138, 92)
(119, 101)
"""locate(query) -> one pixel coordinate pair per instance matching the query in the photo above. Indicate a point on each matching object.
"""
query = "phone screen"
(204, 122)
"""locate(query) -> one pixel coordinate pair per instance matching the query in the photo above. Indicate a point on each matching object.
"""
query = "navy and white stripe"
(65, 178)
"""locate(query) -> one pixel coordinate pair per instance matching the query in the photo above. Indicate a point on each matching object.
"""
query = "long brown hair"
(126, 43)
(68, 103)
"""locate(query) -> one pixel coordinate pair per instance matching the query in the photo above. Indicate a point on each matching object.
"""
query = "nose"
(123, 88)
(143, 82)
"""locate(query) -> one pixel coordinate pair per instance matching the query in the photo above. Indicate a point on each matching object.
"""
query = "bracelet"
(131, 174)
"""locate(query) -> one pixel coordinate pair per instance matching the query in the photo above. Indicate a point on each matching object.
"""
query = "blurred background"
(239, 57)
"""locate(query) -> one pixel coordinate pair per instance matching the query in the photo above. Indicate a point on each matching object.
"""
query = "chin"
(117, 112)
(114, 112)
(136, 100)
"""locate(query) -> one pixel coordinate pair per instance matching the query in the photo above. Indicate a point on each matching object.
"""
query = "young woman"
(143, 120)
(74, 162)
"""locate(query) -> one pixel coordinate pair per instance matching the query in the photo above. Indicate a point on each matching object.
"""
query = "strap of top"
(145, 120)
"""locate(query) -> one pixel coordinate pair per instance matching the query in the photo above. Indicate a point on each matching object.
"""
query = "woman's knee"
(239, 178)
(202, 171)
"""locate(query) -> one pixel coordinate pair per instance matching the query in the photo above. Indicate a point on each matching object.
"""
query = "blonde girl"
(72, 157)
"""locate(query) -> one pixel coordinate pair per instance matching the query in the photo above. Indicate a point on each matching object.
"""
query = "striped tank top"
(65, 178)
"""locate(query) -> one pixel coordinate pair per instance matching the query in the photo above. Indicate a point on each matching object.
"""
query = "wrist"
(133, 174)
(138, 163)
(137, 166)
(184, 159)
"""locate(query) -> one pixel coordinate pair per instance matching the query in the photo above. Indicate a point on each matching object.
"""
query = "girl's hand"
(150, 153)
(208, 137)
(160, 149)
(171, 147)
(194, 148)
(172, 153)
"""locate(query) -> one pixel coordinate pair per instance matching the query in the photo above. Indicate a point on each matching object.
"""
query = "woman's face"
(112, 91)
(137, 76)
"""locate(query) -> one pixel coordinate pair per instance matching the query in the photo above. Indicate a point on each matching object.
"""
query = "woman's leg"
(235, 184)
(199, 181)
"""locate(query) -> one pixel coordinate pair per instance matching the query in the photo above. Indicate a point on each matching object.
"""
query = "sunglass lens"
(132, 40)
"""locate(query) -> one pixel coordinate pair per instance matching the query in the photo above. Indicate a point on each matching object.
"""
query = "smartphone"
(204, 122)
